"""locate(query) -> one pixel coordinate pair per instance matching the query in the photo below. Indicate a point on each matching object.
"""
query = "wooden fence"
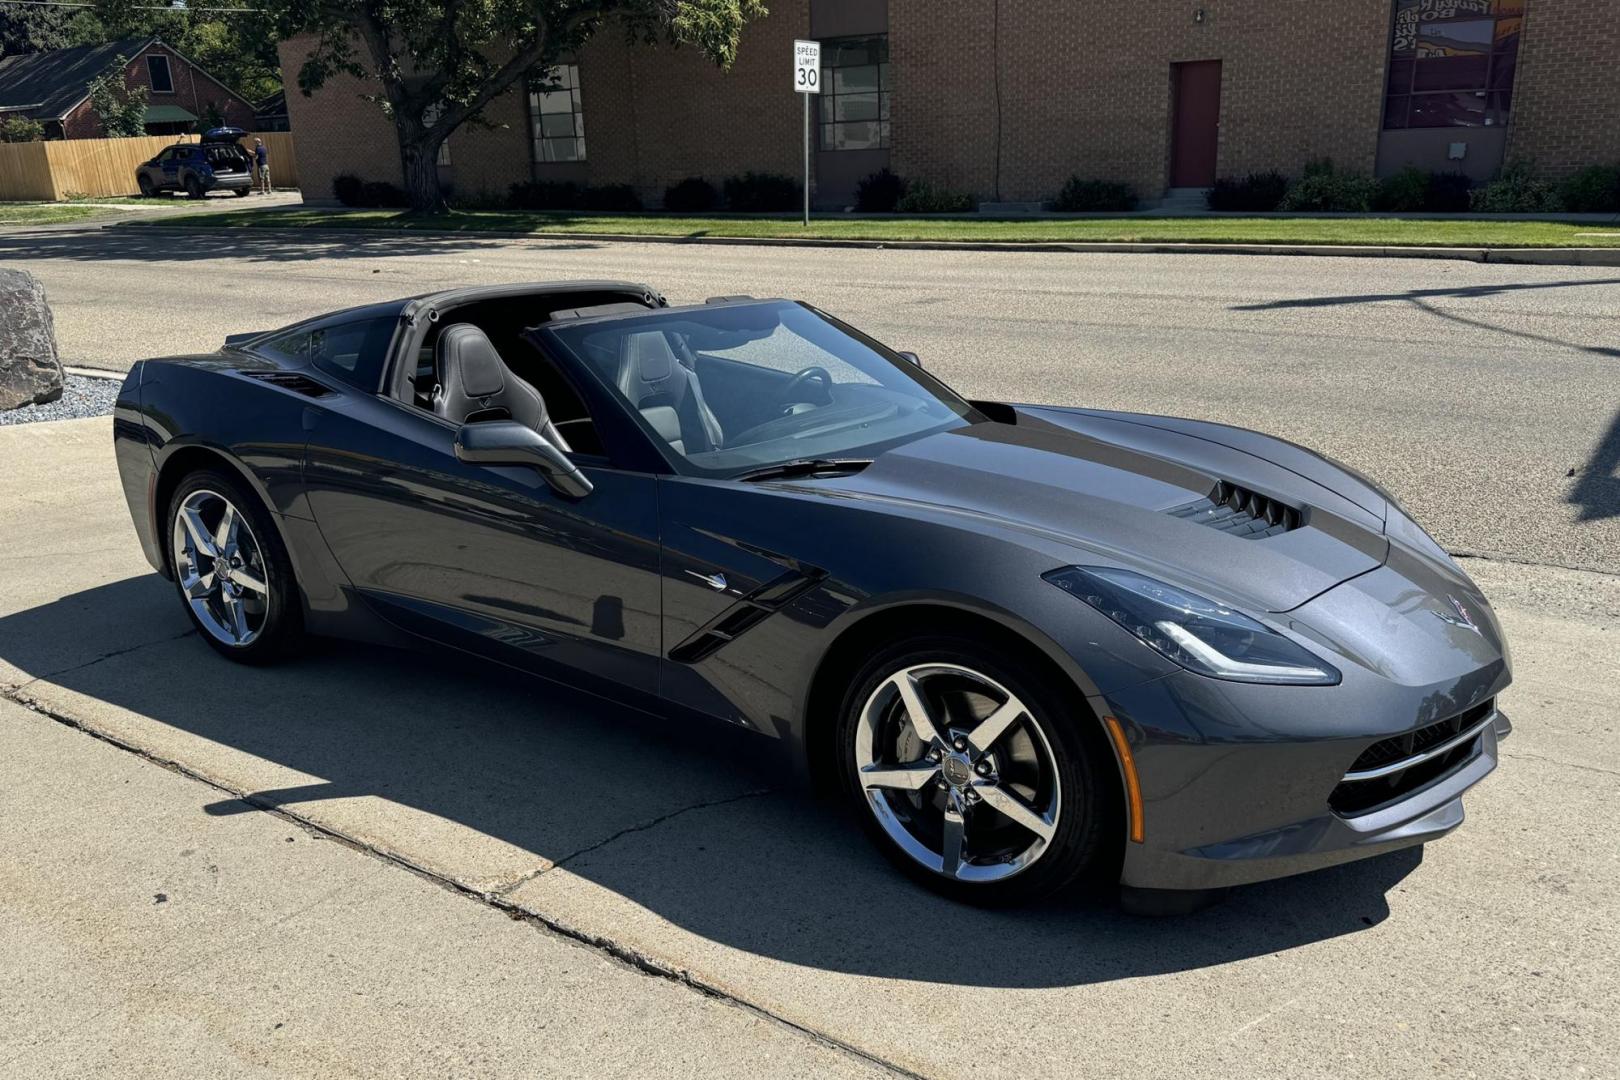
(49, 171)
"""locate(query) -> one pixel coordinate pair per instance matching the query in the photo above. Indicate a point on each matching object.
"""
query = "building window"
(430, 116)
(1451, 63)
(157, 73)
(855, 93)
(558, 124)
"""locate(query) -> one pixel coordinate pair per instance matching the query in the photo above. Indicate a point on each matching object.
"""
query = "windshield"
(732, 388)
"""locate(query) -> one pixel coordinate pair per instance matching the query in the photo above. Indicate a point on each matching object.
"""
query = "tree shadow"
(693, 822)
(1419, 297)
(1597, 491)
(144, 244)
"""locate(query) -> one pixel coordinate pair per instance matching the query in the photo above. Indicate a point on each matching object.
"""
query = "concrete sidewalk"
(680, 851)
(144, 937)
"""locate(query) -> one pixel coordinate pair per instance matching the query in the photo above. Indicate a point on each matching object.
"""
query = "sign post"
(807, 81)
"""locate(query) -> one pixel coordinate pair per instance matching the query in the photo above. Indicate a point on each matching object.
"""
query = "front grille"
(1239, 512)
(1358, 794)
(289, 380)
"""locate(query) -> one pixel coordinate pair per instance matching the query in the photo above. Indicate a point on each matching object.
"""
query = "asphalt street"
(488, 876)
(1487, 398)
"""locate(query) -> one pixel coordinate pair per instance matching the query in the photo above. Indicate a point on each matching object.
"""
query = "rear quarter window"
(353, 352)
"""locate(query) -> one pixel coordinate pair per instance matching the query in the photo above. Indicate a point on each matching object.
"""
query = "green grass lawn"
(1384, 231)
(45, 213)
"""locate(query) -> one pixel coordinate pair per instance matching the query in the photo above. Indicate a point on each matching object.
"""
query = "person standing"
(261, 166)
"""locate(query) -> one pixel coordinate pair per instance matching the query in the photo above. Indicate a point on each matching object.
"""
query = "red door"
(1197, 124)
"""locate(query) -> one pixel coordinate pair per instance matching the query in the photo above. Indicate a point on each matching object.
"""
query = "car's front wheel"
(232, 570)
(968, 772)
(144, 182)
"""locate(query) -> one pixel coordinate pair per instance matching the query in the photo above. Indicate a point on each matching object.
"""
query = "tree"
(121, 109)
(439, 62)
(21, 129)
(34, 29)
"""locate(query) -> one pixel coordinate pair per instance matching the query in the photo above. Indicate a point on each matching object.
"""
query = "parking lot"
(368, 863)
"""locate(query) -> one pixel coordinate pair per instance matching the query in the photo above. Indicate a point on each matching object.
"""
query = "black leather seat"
(474, 384)
(667, 393)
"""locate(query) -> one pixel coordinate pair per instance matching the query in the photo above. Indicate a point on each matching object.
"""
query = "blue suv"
(215, 163)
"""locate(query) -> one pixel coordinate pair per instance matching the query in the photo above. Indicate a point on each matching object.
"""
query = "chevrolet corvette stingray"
(1032, 647)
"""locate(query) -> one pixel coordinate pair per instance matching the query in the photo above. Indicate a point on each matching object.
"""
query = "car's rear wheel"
(243, 192)
(232, 570)
(194, 187)
(968, 772)
(144, 182)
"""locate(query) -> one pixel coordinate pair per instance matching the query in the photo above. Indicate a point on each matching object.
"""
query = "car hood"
(1103, 485)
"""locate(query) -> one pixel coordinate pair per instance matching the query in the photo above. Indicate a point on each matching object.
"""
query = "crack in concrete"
(632, 958)
(20, 687)
(507, 889)
(1562, 764)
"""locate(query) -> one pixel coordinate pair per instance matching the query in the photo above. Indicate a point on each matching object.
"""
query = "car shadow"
(145, 243)
(749, 860)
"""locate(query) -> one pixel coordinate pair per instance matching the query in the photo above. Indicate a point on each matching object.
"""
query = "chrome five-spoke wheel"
(957, 772)
(221, 568)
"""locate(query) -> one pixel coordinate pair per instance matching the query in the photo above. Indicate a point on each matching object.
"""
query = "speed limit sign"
(807, 67)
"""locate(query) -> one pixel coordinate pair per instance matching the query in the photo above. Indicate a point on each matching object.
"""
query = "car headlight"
(1196, 633)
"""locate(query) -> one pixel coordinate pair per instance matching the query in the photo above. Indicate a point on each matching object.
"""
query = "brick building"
(1007, 100)
(54, 88)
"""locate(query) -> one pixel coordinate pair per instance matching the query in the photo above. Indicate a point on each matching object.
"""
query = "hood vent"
(1240, 512)
(289, 380)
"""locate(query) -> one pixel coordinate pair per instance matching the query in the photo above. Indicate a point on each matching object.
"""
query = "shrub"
(544, 195)
(347, 189)
(1593, 190)
(879, 193)
(1082, 195)
(609, 197)
(1412, 190)
(383, 194)
(1517, 191)
(692, 195)
(1255, 193)
(1403, 192)
(1325, 188)
(21, 129)
(923, 197)
(1449, 193)
(754, 192)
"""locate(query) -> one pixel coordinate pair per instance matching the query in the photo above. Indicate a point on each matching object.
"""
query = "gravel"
(81, 397)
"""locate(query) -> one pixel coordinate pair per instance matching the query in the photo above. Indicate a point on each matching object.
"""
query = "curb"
(1536, 256)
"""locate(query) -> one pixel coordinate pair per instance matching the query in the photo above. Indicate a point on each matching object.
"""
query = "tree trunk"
(419, 160)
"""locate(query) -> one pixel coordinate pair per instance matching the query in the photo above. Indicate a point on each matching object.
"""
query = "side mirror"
(507, 442)
(913, 357)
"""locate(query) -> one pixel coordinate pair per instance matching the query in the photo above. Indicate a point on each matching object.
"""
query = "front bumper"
(1321, 840)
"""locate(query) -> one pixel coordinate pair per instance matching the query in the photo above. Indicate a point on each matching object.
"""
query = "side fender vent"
(1240, 512)
(289, 380)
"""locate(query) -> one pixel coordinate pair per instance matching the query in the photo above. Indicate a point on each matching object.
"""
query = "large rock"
(30, 373)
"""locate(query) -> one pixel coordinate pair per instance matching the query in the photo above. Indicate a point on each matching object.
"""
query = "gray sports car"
(1032, 647)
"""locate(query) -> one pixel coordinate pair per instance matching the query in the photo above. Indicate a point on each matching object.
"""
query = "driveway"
(640, 861)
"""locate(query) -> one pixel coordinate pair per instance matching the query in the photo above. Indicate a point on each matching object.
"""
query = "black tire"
(194, 188)
(1079, 851)
(145, 184)
(243, 192)
(281, 631)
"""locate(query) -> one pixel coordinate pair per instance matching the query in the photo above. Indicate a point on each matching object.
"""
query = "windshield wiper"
(805, 467)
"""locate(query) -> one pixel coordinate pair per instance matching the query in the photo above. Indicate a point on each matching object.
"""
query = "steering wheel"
(796, 388)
